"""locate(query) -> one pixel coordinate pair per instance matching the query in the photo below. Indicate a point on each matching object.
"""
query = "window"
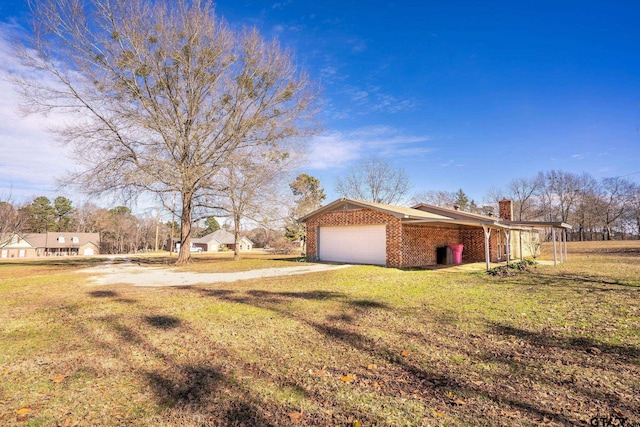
(61, 239)
(75, 239)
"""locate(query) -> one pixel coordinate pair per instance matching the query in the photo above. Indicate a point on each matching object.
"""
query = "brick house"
(356, 231)
(50, 244)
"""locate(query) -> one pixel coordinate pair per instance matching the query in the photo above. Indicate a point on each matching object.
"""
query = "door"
(358, 244)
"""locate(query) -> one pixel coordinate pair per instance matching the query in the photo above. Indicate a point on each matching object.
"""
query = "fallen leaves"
(59, 378)
(453, 400)
(321, 373)
(296, 417)
(348, 378)
(23, 413)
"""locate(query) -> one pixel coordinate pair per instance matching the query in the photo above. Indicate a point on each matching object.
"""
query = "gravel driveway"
(136, 275)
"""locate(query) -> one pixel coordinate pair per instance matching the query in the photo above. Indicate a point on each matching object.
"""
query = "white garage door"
(361, 244)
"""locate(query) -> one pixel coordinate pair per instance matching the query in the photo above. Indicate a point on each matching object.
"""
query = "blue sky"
(460, 94)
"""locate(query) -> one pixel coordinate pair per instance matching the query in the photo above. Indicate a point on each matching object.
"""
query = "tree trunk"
(607, 232)
(184, 257)
(236, 237)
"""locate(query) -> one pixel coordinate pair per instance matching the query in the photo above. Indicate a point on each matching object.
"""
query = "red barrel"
(456, 252)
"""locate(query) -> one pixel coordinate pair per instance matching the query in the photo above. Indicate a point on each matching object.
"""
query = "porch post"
(520, 238)
(553, 237)
(507, 234)
(565, 246)
(487, 234)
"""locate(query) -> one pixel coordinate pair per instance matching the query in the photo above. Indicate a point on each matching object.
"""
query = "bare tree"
(522, 191)
(374, 180)
(559, 192)
(11, 220)
(584, 213)
(251, 188)
(616, 196)
(444, 199)
(635, 208)
(161, 93)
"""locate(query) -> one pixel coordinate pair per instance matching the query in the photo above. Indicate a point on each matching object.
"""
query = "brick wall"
(505, 209)
(358, 217)
(419, 243)
(408, 245)
(473, 241)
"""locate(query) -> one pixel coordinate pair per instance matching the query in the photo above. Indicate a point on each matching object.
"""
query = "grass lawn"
(357, 346)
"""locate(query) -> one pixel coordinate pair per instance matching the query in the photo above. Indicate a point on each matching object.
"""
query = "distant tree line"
(603, 209)
(120, 230)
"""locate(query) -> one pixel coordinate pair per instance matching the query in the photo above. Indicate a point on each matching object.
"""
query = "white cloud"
(31, 160)
(280, 5)
(357, 45)
(336, 149)
(372, 99)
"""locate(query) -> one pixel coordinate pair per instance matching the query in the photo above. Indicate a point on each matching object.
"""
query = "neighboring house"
(355, 231)
(221, 240)
(50, 244)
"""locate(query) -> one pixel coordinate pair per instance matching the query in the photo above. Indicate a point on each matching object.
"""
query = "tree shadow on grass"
(585, 359)
(163, 322)
(56, 262)
(590, 283)
(627, 353)
(103, 294)
(204, 392)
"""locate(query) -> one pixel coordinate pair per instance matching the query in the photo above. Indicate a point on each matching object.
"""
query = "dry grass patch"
(361, 345)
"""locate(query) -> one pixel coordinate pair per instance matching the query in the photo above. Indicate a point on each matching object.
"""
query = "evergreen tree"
(462, 200)
(64, 213)
(41, 216)
(308, 196)
(211, 225)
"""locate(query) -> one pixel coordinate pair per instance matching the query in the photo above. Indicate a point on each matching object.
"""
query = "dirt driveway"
(136, 275)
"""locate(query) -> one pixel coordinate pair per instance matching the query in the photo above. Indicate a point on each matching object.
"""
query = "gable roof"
(433, 215)
(454, 213)
(397, 211)
(51, 239)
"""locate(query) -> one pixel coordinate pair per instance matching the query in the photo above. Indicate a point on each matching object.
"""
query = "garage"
(358, 244)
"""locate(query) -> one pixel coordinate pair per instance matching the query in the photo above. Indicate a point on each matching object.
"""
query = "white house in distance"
(221, 240)
(50, 244)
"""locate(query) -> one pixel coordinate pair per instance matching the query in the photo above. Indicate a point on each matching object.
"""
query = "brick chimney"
(505, 209)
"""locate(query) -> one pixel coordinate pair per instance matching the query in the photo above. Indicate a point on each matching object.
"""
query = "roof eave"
(470, 223)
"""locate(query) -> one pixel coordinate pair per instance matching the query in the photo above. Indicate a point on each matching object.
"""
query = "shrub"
(512, 268)
(284, 247)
